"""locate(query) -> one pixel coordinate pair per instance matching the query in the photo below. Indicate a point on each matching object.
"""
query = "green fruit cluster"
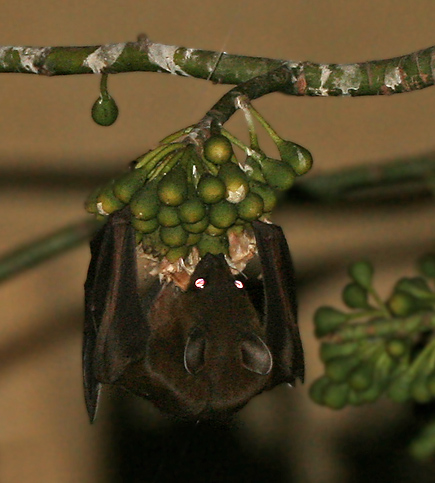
(377, 348)
(182, 195)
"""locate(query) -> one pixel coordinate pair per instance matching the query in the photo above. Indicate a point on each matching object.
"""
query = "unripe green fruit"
(317, 389)
(372, 393)
(402, 304)
(145, 226)
(399, 390)
(153, 244)
(338, 369)
(168, 216)
(214, 230)
(397, 347)
(175, 254)
(213, 245)
(298, 157)
(145, 204)
(330, 351)
(278, 174)
(218, 149)
(355, 296)
(251, 208)
(192, 210)
(198, 227)
(361, 378)
(174, 236)
(267, 194)
(336, 396)
(172, 188)
(211, 189)
(426, 265)
(235, 180)
(222, 214)
(254, 173)
(105, 110)
(193, 238)
(362, 273)
(127, 184)
(328, 319)
(419, 389)
(107, 202)
(91, 201)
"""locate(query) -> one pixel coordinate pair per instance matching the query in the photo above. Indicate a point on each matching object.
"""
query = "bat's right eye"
(200, 283)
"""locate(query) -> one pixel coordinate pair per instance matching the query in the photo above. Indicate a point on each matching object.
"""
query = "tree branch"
(31, 254)
(390, 76)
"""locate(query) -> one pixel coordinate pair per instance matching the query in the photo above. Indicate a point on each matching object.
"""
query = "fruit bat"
(197, 353)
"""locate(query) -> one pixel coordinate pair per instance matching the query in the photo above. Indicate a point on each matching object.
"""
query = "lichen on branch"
(406, 73)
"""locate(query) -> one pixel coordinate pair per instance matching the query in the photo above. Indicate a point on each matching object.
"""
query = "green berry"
(338, 369)
(235, 180)
(174, 236)
(105, 110)
(218, 149)
(426, 265)
(213, 245)
(397, 348)
(336, 396)
(128, 184)
(214, 230)
(145, 204)
(251, 208)
(145, 226)
(361, 377)
(198, 227)
(168, 216)
(298, 157)
(402, 304)
(211, 189)
(278, 174)
(328, 319)
(362, 274)
(419, 389)
(267, 194)
(175, 254)
(317, 389)
(107, 202)
(355, 296)
(192, 210)
(222, 214)
(172, 188)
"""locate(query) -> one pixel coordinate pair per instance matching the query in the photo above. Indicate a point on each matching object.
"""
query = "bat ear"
(256, 357)
(194, 351)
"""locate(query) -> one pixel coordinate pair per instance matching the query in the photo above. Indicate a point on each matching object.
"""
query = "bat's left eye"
(238, 283)
(200, 283)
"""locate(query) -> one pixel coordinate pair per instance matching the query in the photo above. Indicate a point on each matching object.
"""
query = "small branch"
(31, 254)
(405, 178)
(390, 76)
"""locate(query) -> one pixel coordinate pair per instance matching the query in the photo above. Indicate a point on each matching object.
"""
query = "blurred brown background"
(49, 142)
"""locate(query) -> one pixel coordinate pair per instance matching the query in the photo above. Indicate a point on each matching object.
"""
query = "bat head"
(206, 353)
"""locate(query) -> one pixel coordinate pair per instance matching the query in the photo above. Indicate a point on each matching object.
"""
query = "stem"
(31, 254)
(379, 77)
(403, 178)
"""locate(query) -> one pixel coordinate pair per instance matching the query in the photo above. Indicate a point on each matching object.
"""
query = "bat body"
(200, 352)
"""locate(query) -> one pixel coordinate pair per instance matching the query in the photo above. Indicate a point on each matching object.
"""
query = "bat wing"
(283, 337)
(115, 331)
